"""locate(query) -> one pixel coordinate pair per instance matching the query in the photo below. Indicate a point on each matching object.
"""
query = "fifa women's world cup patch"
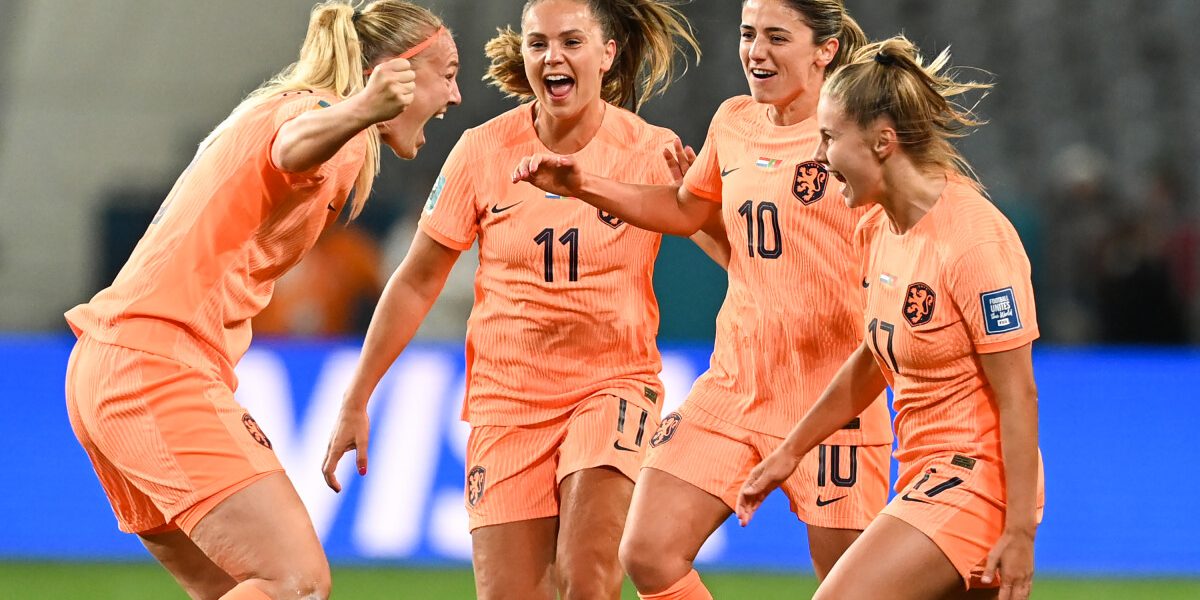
(1000, 311)
(919, 303)
(435, 193)
(666, 430)
(811, 180)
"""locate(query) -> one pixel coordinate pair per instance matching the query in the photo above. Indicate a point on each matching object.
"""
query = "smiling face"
(566, 56)
(436, 68)
(849, 152)
(779, 58)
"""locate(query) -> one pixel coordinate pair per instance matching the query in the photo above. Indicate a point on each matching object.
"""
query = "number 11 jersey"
(564, 300)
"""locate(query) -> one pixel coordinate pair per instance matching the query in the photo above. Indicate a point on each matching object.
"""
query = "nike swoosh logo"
(866, 284)
(497, 210)
(724, 172)
(906, 498)
(821, 502)
(618, 446)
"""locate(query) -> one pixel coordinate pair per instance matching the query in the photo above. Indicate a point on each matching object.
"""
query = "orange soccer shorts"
(513, 472)
(958, 502)
(167, 440)
(838, 487)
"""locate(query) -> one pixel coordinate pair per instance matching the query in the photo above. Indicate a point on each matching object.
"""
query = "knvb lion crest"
(609, 219)
(810, 183)
(666, 430)
(256, 432)
(475, 484)
(919, 303)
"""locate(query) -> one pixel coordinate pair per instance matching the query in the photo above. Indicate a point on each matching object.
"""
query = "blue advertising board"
(1122, 468)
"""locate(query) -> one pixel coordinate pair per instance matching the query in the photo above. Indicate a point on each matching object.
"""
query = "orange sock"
(245, 591)
(688, 588)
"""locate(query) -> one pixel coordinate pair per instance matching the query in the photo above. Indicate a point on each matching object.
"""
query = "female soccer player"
(949, 325)
(562, 367)
(789, 318)
(150, 382)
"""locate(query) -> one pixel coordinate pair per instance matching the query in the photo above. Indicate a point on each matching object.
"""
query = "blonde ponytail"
(341, 43)
(890, 79)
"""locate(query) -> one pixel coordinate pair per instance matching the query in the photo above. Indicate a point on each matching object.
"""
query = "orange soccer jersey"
(790, 317)
(564, 304)
(232, 224)
(956, 284)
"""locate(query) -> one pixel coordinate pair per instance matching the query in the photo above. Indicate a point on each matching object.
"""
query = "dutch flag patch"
(1000, 311)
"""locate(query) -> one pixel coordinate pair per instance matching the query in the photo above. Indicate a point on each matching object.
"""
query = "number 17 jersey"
(564, 300)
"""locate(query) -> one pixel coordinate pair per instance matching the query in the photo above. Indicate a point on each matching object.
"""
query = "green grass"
(143, 581)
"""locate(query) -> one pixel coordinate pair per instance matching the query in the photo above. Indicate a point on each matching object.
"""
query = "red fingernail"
(362, 470)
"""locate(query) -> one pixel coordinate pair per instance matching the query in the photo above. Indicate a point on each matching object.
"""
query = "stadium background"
(1091, 153)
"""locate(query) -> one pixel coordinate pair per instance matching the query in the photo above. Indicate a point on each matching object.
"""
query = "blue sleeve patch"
(1000, 311)
(435, 193)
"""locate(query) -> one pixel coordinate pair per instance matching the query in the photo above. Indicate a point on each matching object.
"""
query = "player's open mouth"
(762, 74)
(559, 86)
(838, 176)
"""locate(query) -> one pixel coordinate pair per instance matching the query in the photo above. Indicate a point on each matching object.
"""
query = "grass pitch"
(147, 581)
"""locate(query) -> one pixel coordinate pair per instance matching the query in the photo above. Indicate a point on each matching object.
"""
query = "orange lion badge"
(919, 303)
(475, 483)
(256, 432)
(811, 179)
(666, 430)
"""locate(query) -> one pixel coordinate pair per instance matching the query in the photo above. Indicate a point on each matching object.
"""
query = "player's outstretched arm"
(669, 209)
(315, 136)
(1010, 374)
(855, 386)
(406, 300)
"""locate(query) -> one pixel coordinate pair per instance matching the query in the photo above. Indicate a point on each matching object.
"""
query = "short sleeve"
(657, 170)
(451, 215)
(292, 105)
(991, 285)
(704, 178)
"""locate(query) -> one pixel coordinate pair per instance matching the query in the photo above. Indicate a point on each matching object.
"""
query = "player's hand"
(679, 159)
(763, 479)
(352, 432)
(551, 172)
(1012, 556)
(389, 90)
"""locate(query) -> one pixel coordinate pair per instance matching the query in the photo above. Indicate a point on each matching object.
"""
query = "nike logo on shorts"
(821, 502)
(724, 172)
(618, 446)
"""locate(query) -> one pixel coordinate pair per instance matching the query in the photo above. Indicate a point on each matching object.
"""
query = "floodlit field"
(143, 581)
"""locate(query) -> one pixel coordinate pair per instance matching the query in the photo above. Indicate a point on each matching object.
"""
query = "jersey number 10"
(760, 215)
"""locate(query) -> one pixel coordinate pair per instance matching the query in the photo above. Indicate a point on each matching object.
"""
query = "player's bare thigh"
(914, 569)
(669, 520)
(592, 515)
(515, 560)
(197, 574)
(827, 545)
(262, 535)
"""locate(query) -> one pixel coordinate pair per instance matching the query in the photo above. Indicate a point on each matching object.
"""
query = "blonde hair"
(828, 19)
(342, 42)
(889, 78)
(648, 33)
